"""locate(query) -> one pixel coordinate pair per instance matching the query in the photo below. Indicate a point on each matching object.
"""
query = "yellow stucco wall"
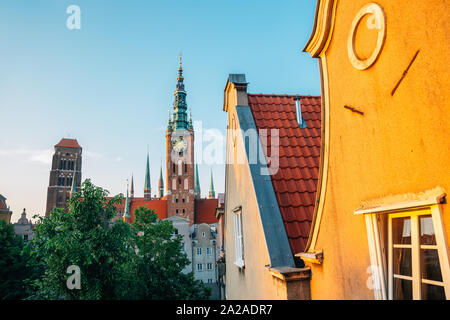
(400, 144)
(254, 281)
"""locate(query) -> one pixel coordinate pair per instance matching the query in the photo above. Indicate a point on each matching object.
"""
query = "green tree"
(14, 268)
(160, 261)
(84, 237)
(116, 260)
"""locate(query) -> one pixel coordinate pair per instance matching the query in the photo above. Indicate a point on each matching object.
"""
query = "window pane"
(402, 261)
(401, 230)
(429, 262)
(402, 289)
(430, 292)
(427, 236)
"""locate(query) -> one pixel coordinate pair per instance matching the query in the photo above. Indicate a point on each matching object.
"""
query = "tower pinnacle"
(212, 193)
(197, 182)
(179, 118)
(132, 187)
(126, 211)
(161, 184)
(147, 184)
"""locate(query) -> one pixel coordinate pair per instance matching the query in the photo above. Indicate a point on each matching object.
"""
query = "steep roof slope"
(295, 183)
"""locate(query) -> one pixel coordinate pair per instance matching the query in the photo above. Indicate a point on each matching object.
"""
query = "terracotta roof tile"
(295, 183)
(160, 206)
(205, 210)
(68, 143)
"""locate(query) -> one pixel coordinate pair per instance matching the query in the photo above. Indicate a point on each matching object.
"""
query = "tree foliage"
(116, 260)
(160, 261)
(14, 269)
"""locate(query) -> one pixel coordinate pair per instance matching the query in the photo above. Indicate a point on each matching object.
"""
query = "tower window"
(184, 200)
(177, 211)
(185, 168)
(173, 168)
(184, 211)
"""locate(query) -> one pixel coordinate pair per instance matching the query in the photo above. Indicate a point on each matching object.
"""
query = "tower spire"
(161, 184)
(126, 211)
(147, 184)
(180, 119)
(132, 186)
(197, 182)
(212, 193)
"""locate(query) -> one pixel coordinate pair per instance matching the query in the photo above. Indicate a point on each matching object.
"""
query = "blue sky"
(110, 84)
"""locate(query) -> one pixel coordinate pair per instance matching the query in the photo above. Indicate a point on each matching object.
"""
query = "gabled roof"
(205, 210)
(68, 143)
(295, 183)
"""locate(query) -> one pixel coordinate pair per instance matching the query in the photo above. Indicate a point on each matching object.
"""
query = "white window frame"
(208, 264)
(199, 251)
(209, 251)
(238, 238)
(199, 267)
(415, 253)
(380, 257)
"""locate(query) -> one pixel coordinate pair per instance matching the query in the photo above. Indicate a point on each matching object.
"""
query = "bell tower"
(65, 174)
(180, 156)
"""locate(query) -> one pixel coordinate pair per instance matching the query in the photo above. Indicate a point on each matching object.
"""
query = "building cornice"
(323, 26)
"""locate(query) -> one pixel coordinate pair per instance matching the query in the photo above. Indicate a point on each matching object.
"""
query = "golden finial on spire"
(180, 69)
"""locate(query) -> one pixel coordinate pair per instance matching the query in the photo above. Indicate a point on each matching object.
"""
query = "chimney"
(298, 111)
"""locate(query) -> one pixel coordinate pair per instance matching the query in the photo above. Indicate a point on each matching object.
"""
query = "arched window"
(180, 167)
(185, 168)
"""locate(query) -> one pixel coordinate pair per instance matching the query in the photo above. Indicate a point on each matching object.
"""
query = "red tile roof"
(204, 208)
(68, 143)
(295, 183)
(160, 206)
(205, 211)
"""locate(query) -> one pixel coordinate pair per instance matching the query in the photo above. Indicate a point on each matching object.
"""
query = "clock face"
(179, 145)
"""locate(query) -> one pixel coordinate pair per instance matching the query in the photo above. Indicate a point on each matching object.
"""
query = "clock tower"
(180, 157)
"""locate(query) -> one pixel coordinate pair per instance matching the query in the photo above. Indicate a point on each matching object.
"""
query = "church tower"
(180, 156)
(65, 174)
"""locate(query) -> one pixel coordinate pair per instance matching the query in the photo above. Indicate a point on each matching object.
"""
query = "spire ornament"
(212, 193)
(179, 117)
(147, 184)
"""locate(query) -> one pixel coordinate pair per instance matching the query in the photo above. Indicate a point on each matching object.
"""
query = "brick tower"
(66, 162)
(180, 157)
